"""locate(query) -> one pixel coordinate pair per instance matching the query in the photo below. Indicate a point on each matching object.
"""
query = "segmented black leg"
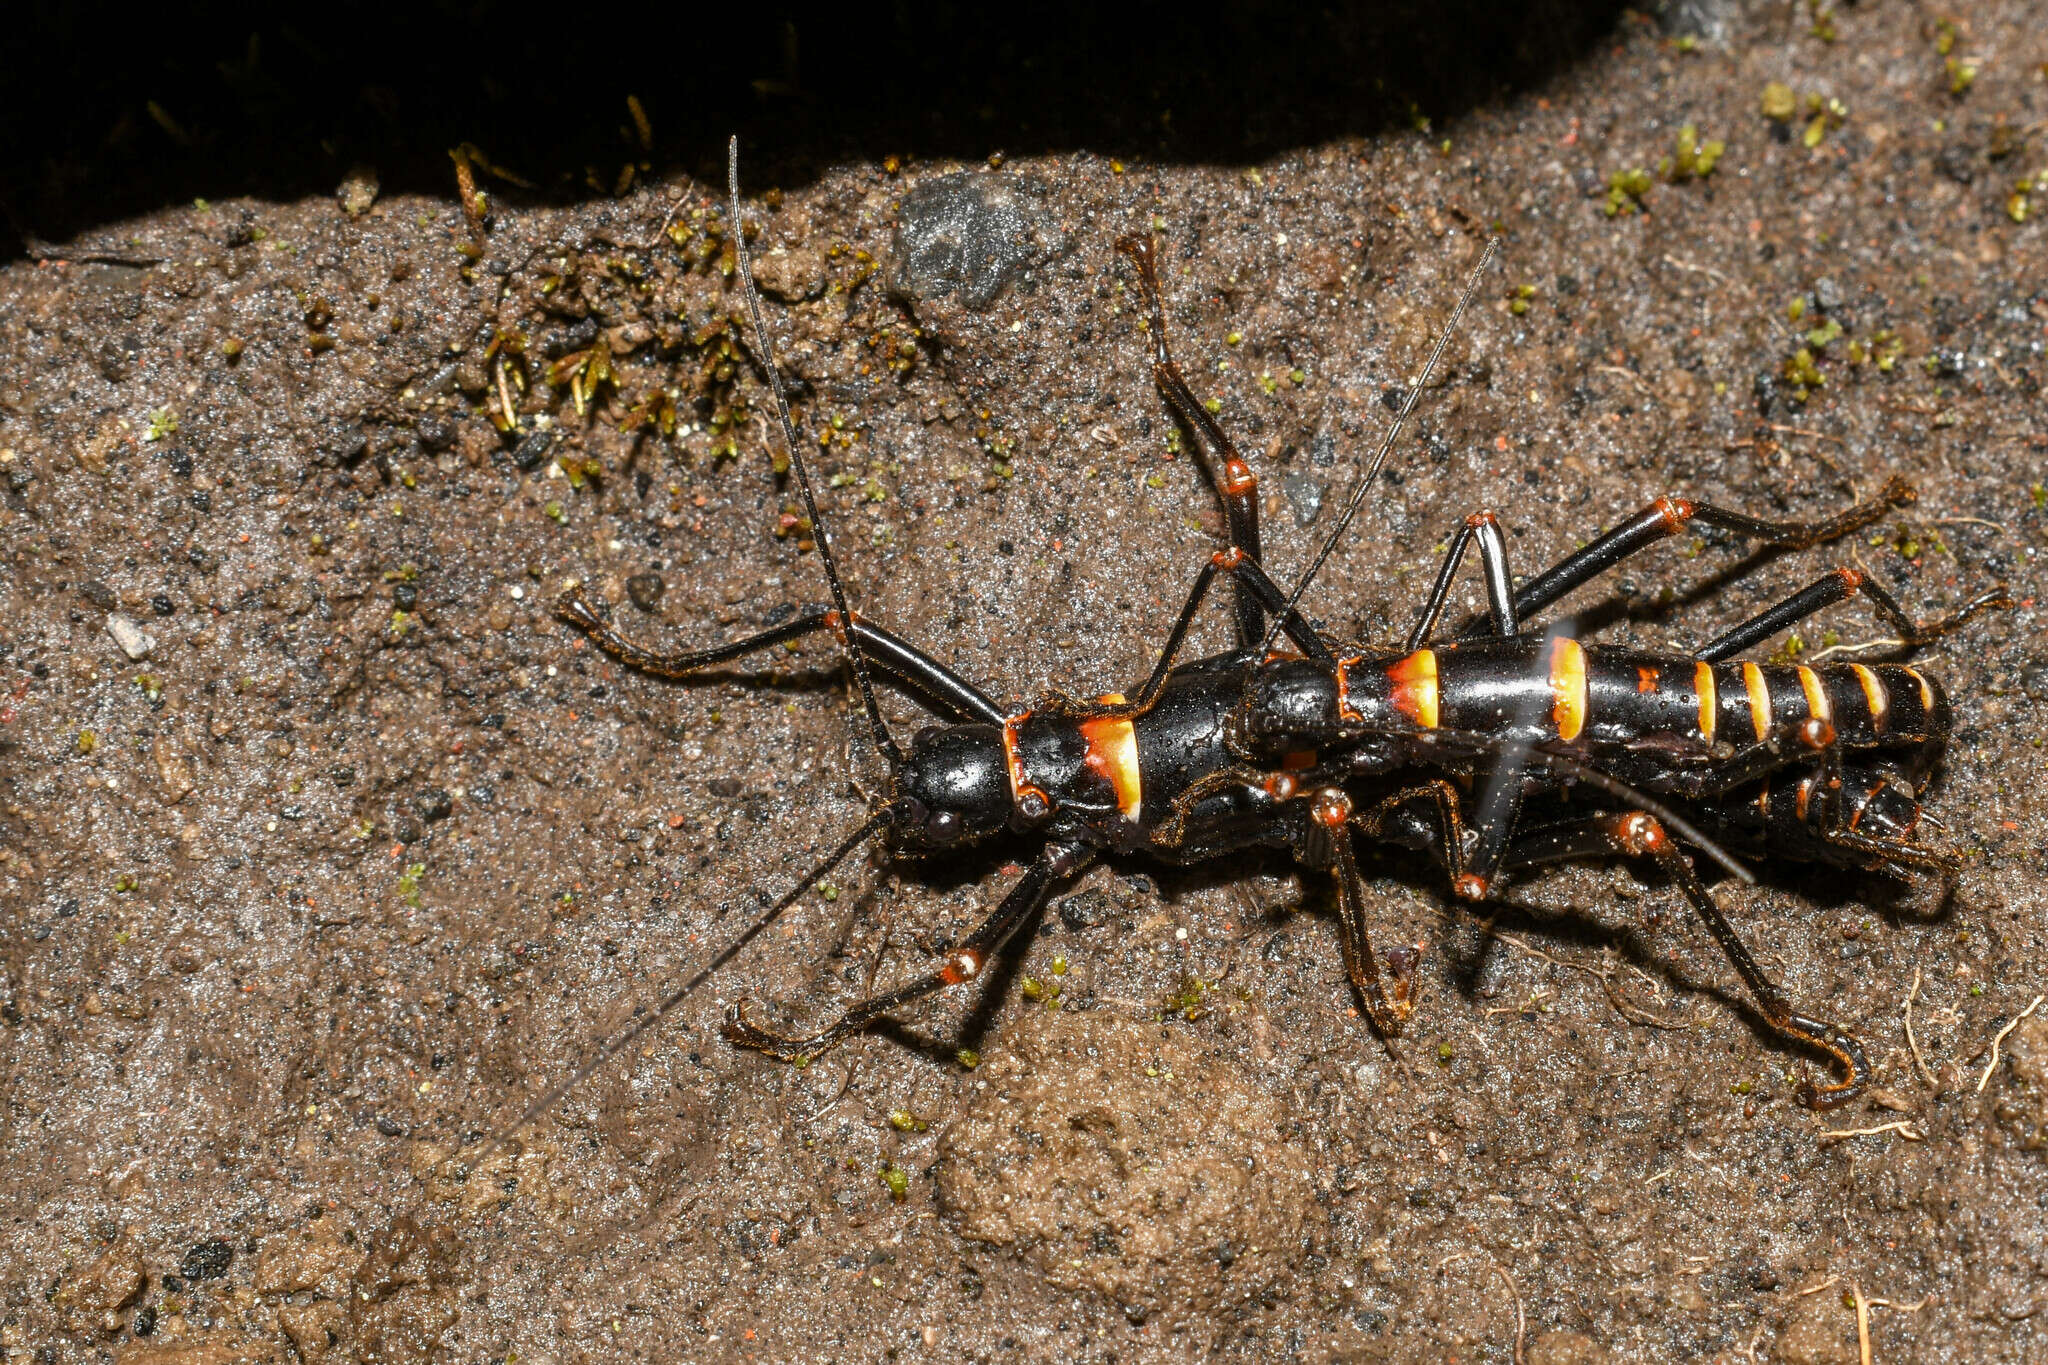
(1668, 516)
(1484, 528)
(1637, 835)
(1252, 580)
(1840, 586)
(1331, 809)
(961, 965)
(887, 651)
(1235, 483)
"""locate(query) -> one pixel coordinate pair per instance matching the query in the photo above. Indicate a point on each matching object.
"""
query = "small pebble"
(134, 641)
(645, 589)
(207, 1261)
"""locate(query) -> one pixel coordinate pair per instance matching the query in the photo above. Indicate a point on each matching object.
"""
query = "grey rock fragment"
(135, 642)
(972, 235)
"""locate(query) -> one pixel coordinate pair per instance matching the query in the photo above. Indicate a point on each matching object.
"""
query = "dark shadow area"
(106, 123)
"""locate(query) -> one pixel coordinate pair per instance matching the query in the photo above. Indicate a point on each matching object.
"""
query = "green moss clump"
(1779, 103)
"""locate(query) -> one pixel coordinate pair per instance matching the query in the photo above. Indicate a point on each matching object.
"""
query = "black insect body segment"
(1489, 753)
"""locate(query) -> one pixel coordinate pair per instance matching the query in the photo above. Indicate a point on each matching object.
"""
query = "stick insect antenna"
(626, 1037)
(1372, 470)
(883, 739)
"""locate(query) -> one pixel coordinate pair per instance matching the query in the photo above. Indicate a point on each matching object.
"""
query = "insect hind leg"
(1634, 834)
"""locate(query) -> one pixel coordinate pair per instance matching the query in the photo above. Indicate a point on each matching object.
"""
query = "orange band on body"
(1414, 691)
(1113, 754)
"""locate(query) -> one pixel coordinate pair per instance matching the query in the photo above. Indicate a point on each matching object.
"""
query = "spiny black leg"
(1236, 485)
(1668, 516)
(886, 650)
(961, 965)
(1840, 586)
(1493, 557)
(1638, 835)
(1330, 808)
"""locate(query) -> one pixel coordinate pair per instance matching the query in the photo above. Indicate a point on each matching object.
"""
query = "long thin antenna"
(883, 740)
(681, 993)
(1357, 498)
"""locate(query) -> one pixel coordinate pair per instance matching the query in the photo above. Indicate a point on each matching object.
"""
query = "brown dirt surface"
(365, 848)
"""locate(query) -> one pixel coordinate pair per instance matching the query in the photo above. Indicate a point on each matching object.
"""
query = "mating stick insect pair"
(1490, 753)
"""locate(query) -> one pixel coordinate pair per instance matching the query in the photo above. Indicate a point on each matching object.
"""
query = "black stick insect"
(1576, 750)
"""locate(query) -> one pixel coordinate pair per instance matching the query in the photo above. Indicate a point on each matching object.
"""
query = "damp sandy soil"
(364, 848)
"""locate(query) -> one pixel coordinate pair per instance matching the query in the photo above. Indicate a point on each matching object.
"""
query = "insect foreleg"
(886, 651)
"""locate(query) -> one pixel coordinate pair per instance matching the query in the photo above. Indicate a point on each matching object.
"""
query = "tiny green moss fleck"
(87, 741)
(163, 423)
(1213, 404)
(968, 1058)
(1625, 191)
(1187, 1001)
(2016, 206)
(1944, 36)
(1976, 988)
(1297, 377)
(1685, 42)
(1800, 372)
(2038, 494)
(409, 883)
(898, 1181)
(1693, 158)
(553, 510)
(903, 1121)
(1742, 1087)
(1820, 336)
(125, 883)
(1033, 988)
(1796, 309)
(1234, 339)
(1961, 75)
(1059, 966)
(1779, 103)
(829, 890)
(1823, 26)
(1444, 1053)
(231, 349)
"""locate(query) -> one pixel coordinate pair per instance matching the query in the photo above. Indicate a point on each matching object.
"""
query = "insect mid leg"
(1637, 835)
(1840, 586)
(1235, 484)
(1251, 580)
(962, 964)
(1484, 528)
(1666, 517)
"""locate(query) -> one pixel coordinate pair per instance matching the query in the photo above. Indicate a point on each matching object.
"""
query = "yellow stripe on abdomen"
(1759, 700)
(1567, 687)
